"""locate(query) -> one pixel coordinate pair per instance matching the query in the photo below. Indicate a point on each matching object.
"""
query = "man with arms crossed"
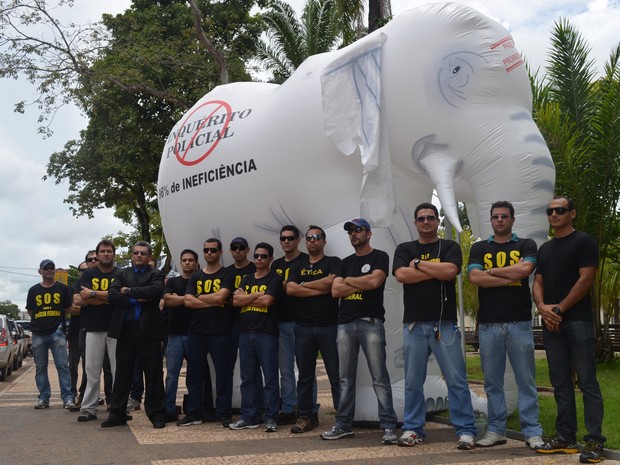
(316, 325)
(209, 333)
(95, 284)
(501, 266)
(564, 278)
(427, 268)
(359, 283)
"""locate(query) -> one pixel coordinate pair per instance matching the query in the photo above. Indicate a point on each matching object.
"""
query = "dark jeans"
(309, 340)
(76, 352)
(573, 348)
(198, 347)
(259, 351)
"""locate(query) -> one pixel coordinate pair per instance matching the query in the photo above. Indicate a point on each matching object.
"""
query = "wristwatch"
(93, 294)
(126, 291)
(557, 310)
(416, 262)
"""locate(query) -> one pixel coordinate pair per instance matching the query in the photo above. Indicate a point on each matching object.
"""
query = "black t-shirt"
(254, 319)
(432, 299)
(286, 305)
(319, 310)
(210, 320)
(177, 318)
(236, 275)
(363, 303)
(559, 261)
(96, 318)
(75, 323)
(505, 303)
(47, 307)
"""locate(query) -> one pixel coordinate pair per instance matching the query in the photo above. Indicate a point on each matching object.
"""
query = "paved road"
(53, 436)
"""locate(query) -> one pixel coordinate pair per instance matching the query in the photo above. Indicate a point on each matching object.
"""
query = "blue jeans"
(418, 343)
(515, 339)
(258, 351)
(573, 348)
(286, 364)
(370, 336)
(176, 351)
(309, 340)
(57, 344)
(198, 346)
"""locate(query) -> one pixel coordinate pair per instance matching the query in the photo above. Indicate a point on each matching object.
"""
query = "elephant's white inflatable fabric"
(437, 99)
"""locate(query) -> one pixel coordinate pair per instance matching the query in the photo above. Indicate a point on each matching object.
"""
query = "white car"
(7, 348)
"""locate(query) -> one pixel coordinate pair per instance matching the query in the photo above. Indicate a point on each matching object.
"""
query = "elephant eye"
(456, 69)
(455, 76)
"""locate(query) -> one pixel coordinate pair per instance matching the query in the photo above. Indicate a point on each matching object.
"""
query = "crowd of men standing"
(272, 314)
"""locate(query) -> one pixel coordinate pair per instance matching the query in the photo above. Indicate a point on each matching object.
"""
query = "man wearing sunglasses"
(359, 284)
(427, 268)
(239, 250)
(501, 266)
(138, 328)
(316, 325)
(177, 317)
(289, 241)
(565, 275)
(47, 303)
(258, 341)
(209, 334)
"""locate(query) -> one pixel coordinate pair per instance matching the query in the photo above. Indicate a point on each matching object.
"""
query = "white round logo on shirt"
(366, 268)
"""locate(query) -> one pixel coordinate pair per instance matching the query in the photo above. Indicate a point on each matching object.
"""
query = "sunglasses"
(262, 256)
(424, 219)
(48, 268)
(287, 238)
(210, 250)
(92, 259)
(499, 217)
(138, 252)
(314, 237)
(558, 210)
(356, 229)
(236, 248)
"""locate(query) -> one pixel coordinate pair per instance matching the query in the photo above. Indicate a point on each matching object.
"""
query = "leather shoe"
(113, 421)
(159, 424)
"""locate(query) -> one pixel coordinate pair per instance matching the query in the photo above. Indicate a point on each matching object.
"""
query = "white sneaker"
(535, 442)
(491, 439)
(466, 442)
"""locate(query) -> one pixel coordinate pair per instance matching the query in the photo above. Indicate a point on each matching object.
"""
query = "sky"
(37, 224)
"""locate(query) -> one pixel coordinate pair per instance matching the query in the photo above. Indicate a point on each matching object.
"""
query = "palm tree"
(579, 117)
(351, 14)
(290, 41)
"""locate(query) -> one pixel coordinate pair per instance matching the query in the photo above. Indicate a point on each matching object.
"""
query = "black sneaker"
(558, 445)
(226, 421)
(86, 416)
(592, 453)
(189, 421)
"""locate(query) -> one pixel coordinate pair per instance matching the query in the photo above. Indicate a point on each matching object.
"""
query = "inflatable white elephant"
(437, 99)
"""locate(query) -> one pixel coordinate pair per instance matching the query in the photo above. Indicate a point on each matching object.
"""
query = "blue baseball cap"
(357, 222)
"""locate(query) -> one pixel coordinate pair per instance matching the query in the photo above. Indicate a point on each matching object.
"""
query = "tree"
(579, 116)
(10, 309)
(351, 17)
(290, 41)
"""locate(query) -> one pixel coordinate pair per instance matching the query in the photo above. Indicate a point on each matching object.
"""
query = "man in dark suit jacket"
(139, 329)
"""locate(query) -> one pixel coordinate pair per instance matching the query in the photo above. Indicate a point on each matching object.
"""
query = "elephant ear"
(351, 94)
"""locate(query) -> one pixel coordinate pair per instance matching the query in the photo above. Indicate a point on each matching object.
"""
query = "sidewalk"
(54, 437)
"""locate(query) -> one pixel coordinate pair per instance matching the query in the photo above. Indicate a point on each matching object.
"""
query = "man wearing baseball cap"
(359, 283)
(47, 303)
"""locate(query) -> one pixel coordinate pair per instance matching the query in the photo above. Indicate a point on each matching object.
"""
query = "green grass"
(608, 375)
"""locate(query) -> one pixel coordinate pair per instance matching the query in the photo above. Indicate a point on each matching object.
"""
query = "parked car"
(25, 324)
(7, 348)
(20, 344)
